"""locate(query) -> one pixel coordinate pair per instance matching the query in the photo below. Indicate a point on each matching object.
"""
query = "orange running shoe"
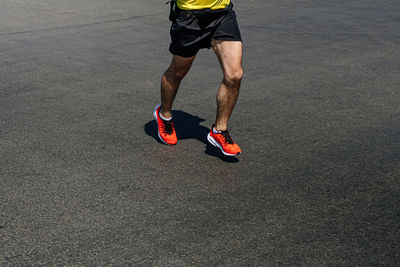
(166, 131)
(223, 141)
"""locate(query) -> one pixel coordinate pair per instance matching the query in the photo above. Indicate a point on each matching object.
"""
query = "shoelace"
(167, 127)
(227, 137)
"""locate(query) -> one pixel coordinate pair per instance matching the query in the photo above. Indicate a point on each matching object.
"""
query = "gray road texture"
(84, 180)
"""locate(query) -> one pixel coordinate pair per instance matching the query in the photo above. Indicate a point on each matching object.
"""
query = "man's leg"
(229, 54)
(170, 81)
(169, 87)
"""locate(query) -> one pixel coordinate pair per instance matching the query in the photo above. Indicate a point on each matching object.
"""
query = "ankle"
(219, 128)
(165, 116)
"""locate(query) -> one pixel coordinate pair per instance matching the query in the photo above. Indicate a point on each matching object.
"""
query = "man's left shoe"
(166, 130)
(223, 141)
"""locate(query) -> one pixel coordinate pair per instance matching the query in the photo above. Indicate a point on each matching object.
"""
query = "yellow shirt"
(201, 4)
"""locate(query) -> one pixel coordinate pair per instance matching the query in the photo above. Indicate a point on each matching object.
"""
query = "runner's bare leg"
(229, 54)
(170, 81)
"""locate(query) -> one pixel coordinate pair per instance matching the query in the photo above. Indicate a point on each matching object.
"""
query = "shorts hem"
(181, 53)
(226, 39)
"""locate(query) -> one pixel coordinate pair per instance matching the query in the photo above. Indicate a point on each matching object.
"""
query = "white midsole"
(216, 144)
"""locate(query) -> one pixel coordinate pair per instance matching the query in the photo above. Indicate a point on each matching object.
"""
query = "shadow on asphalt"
(188, 126)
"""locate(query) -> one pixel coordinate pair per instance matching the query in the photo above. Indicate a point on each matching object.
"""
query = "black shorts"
(192, 30)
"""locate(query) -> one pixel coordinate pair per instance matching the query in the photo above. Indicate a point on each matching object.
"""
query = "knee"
(234, 77)
(180, 74)
(175, 73)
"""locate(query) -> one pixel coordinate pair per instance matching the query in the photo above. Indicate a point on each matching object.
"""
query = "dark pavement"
(84, 181)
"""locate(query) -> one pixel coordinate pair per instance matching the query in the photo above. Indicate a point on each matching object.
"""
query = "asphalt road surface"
(84, 181)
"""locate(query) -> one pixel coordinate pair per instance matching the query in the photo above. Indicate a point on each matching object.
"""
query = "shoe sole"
(216, 144)
(158, 131)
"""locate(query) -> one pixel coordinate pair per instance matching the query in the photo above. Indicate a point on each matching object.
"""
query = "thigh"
(181, 65)
(229, 54)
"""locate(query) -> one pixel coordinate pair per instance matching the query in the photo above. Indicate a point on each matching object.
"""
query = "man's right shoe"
(166, 131)
(223, 141)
